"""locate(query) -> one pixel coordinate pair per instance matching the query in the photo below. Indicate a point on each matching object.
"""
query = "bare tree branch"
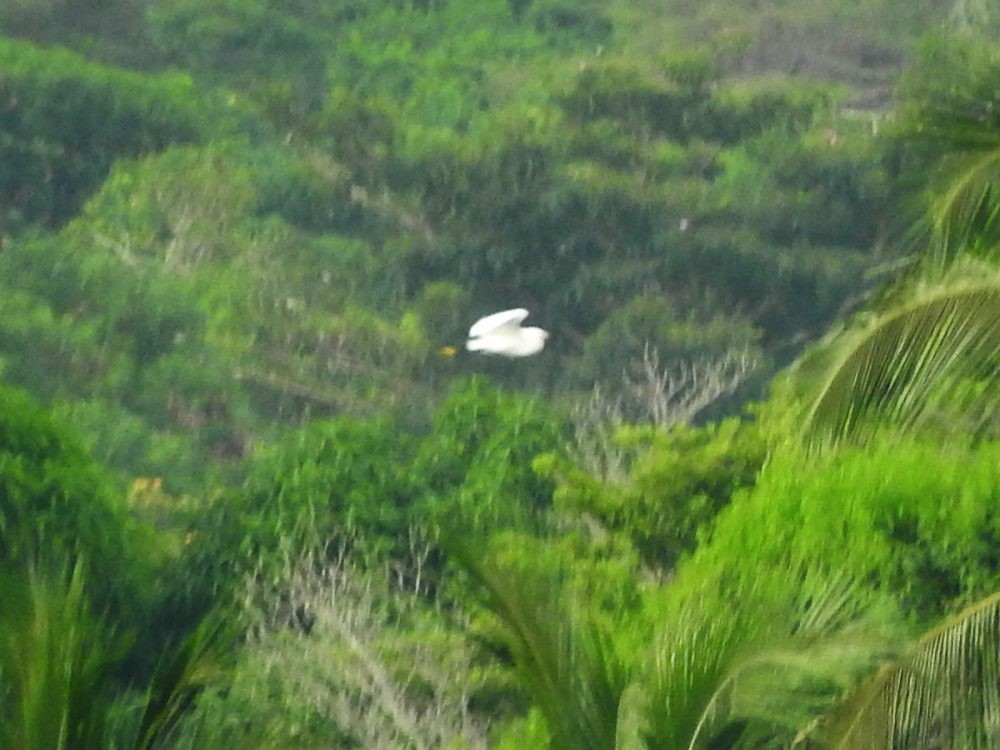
(326, 631)
(654, 395)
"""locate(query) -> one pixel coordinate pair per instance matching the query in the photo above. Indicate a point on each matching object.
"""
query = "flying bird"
(501, 333)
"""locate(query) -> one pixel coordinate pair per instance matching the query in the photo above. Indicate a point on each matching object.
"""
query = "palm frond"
(178, 679)
(937, 350)
(693, 669)
(56, 660)
(951, 123)
(564, 660)
(945, 694)
(54, 663)
(965, 216)
(767, 665)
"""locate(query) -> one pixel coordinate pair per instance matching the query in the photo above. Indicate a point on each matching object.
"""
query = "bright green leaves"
(564, 660)
(182, 291)
(341, 484)
(739, 658)
(478, 459)
(926, 358)
(912, 519)
(430, 145)
(672, 484)
(421, 162)
(58, 658)
(753, 658)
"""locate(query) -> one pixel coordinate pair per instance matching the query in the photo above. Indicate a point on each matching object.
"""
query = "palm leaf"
(694, 665)
(178, 679)
(713, 670)
(56, 659)
(54, 663)
(951, 123)
(945, 694)
(767, 665)
(965, 216)
(913, 360)
(563, 659)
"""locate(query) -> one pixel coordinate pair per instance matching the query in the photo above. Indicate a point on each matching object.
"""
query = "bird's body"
(501, 333)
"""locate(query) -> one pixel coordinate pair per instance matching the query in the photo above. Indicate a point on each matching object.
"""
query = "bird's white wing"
(489, 324)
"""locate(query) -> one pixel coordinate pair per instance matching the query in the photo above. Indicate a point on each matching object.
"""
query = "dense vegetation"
(745, 497)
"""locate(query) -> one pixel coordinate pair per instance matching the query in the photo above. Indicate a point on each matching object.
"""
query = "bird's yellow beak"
(447, 351)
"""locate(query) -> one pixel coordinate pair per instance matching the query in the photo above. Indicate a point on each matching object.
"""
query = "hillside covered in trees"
(255, 494)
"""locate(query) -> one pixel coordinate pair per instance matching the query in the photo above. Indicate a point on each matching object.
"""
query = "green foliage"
(698, 674)
(55, 500)
(237, 39)
(621, 189)
(529, 731)
(55, 658)
(181, 674)
(613, 354)
(736, 676)
(939, 693)
(913, 519)
(567, 24)
(477, 462)
(57, 661)
(111, 30)
(160, 294)
(247, 310)
(117, 339)
(677, 481)
(928, 353)
(65, 120)
(812, 190)
(336, 657)
(433, 59)
(337, 484)
(368, 486)
(913, 364)
(565, 662)
(950, 132)
(208, 294)
(60, 507)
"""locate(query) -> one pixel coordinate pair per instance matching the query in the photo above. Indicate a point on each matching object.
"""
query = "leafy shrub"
(477, 462)
(341, 484)
(369, 486)
(56, 504)
(662, 488)
(914, 520)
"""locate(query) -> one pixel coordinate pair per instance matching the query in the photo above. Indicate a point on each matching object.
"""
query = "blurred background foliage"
(235, 237)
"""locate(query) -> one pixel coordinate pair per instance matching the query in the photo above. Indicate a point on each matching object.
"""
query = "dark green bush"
(56, 504)
(64, 120)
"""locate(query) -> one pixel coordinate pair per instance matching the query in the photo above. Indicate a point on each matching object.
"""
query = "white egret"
(501, 333)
